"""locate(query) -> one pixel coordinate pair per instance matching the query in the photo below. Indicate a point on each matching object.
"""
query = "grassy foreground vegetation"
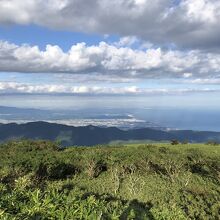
(39, 180)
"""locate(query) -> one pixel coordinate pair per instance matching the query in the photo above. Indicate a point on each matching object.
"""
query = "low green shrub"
(160, 181)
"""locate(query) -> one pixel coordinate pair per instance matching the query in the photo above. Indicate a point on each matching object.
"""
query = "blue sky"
(41, 36)
(166, 48)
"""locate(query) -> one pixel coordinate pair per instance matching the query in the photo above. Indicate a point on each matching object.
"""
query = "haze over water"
(127, 111)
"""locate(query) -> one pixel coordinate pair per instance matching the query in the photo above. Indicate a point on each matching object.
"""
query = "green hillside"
(39, 180)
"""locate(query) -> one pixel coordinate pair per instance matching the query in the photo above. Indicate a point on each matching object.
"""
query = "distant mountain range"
(92, 135)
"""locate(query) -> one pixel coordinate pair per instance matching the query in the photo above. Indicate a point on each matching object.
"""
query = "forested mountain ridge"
(92, 135)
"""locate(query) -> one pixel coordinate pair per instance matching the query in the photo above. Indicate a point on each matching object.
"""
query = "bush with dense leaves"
(39, 180)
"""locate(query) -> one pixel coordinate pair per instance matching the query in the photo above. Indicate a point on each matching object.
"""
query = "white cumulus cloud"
(185, 23)
(109, 59)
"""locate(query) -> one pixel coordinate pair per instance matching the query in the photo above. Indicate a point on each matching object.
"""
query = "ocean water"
(120, 111)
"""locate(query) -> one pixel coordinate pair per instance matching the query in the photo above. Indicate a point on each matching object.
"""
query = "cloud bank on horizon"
(13, 88)
(160, 39)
